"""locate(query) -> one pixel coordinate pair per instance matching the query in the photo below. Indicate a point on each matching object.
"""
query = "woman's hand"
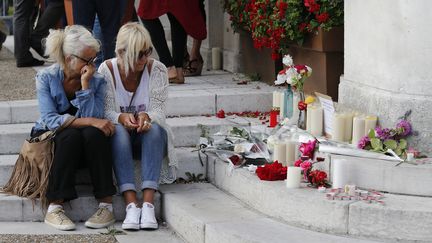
(104, 125)
(128, 121)
(144, 123)
(86, 74)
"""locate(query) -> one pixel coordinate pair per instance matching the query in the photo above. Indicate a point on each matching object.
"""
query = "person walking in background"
(109, 13)
(185, 18)
(71, 87)
(135, 102)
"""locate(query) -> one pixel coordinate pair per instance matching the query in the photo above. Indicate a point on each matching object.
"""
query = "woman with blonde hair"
(71, 88)
(135, 102)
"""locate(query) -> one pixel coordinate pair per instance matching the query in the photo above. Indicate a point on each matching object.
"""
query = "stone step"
(14, 231)
(202, 213)
(186, 131)
(14, 208)
(406, 218)
(196, 97)
(187, 157)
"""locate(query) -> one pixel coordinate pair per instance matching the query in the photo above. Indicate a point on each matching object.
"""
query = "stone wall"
(387, 62)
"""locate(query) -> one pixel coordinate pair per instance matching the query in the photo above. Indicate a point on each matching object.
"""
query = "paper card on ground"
(329, 109)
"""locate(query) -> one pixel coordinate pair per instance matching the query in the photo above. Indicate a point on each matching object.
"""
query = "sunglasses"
(145, 53)
(87, 62)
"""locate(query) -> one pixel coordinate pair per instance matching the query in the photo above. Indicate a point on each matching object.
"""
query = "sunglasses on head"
(145, 53)
(87, 62)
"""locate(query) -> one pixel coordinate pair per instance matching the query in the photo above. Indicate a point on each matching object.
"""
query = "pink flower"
(306, 165)
(364, 141)
(308, 149)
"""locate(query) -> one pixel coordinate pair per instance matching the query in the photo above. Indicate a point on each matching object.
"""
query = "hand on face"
(87, 72)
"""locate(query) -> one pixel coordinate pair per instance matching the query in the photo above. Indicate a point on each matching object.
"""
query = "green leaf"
(403, 144)
(376, 144)
(398, 151)
(391, 144)
(371, 133)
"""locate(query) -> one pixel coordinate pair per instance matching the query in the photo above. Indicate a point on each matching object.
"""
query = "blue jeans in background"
(149, 146)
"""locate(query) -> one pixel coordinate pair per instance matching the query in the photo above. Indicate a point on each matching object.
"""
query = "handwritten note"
(328, 107)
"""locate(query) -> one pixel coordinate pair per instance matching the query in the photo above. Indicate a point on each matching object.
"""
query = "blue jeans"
(149, 146)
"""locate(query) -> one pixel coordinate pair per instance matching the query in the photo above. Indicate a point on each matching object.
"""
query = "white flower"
(291, 74)
(287, 60)
(281, 78)
(309, 71)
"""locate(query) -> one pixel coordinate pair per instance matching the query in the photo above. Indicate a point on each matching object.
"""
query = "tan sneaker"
(101, 219)
(58, 219)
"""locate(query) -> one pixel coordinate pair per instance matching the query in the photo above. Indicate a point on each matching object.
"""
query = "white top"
(158, 94)
(128, 102)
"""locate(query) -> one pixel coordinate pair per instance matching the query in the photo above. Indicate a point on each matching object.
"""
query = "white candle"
(348, 126)
(293, 177)
(410, 157)
(276, 102)
(279, 153)
(338, 131)
(316, 115)
(216, 58)
(370, 123)
(308, 119)
(282, 105)
(297, 151)
(290, 152)
(340, 175)
(358, 129)
(296, 111)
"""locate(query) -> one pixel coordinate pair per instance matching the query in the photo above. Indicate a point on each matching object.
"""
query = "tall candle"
(308, 119)
(290, 152)
(340, 174)
(216, 58)
(338, 131)
(282, 105)
(316, 116)
(293, 177)
(296, 111)
(348, 126)
(358, 129)
(370, 123)
(279, 152)
(276, 102)
(297, 151)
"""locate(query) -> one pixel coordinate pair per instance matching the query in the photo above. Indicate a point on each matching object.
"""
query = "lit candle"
(348, 126)
(276, 102)
(290, 152)
(370, 123)
(358, 129)
(338, 131)
(279, 152)
(293, 177)
(216, 58)
(340, 175)
(316, 120)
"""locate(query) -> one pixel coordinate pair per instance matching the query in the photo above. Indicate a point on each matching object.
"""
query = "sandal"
(179, 79)
(193, 68)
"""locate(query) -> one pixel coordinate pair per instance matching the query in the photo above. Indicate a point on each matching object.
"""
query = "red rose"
(317, 177)
(322, 18)
(272, 172)
(302, 105)
(298, 162)
(220, 114)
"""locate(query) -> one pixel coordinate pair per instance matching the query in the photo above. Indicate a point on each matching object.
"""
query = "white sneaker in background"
(148, 219)
(132, 219)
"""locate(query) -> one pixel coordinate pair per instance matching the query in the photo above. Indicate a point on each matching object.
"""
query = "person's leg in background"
(50, 17)
(195, 62)
(155, 28)
(23, 15)
(178, 37)
(84, 13)
(109, 13)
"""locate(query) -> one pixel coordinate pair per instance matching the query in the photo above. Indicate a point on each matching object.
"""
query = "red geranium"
(272, 172)
(317, 178)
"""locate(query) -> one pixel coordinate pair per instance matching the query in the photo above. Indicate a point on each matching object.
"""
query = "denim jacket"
(53, 102)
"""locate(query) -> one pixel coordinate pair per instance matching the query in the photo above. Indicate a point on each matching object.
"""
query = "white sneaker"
(132, 219)
(148, 219)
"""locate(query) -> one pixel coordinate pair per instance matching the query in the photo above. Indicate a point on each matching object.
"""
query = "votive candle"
(293, 177)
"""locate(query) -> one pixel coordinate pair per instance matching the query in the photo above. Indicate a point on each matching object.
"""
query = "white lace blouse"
(158, 92)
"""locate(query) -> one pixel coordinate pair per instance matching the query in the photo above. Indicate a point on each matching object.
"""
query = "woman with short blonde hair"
(135, 102)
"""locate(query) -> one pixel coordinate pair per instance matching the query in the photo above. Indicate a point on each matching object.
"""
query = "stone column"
(388, 67)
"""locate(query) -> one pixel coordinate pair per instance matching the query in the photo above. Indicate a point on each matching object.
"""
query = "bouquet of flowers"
(316, 178)
(293, 75)
(382, 139)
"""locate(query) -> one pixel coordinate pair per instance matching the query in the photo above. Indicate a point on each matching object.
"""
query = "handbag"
(31, 172)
